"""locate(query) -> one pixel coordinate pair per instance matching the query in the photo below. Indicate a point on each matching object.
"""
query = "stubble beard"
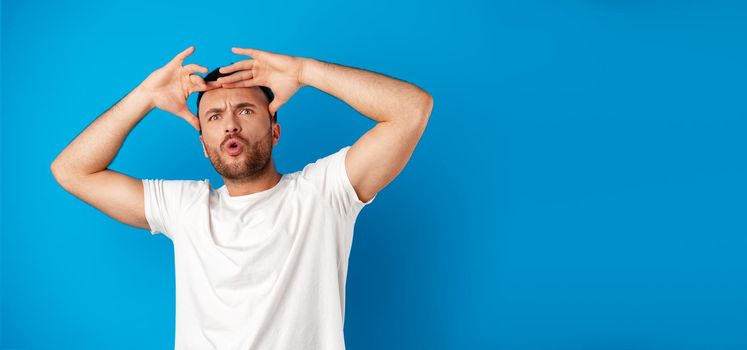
(250, 164)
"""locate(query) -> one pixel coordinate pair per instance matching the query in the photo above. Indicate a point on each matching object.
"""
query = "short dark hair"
(215, 74)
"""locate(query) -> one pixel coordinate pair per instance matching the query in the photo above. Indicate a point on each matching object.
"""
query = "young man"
(260, 262)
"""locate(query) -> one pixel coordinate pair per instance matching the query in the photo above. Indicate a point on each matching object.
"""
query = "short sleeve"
(331, 177)
(165, 202)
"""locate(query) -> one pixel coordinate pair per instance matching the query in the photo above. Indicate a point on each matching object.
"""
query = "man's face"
(239, 114)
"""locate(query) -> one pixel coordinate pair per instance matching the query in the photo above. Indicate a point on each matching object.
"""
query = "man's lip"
(239, 146)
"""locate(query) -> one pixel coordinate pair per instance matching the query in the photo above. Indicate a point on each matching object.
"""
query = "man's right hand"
(169, 86)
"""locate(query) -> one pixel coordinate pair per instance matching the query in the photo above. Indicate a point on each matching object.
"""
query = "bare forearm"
(95, 148)
(374, 95)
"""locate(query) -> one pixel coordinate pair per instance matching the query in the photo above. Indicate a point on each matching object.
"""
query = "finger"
(213, 85)
(196, 84)
(247, 51)
(238, 76)
(241, 65)
(195, 68)
(179, 58)
(199, 84)
(243, 83)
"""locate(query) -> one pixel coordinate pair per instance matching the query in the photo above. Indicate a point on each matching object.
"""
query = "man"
(260, 262)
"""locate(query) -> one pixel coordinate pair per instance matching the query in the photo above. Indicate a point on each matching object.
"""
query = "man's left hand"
(281, 73)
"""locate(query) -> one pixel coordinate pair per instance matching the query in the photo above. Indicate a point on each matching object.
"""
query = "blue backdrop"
(581, 184)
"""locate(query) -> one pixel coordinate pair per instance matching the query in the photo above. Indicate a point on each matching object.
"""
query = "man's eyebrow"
(240, 105)
(245, 104)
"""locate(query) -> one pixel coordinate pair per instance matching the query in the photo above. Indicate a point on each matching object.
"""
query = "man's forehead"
(220, 97)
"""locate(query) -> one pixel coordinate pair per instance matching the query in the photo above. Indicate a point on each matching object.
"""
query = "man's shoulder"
(331, 159)
(179, 184)
(181, 181)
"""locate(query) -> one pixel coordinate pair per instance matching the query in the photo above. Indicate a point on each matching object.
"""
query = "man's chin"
(225, 156)
(234, 173)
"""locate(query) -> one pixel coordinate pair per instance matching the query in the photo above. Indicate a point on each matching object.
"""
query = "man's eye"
(211, 117)
(246, 110)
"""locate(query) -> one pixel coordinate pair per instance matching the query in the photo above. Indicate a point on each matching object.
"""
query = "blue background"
(581, 184)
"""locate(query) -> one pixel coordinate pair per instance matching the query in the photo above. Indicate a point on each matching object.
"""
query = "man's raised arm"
(401, 109)
(81, 168)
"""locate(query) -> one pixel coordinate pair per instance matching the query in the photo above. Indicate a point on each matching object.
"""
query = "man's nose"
(232, 126)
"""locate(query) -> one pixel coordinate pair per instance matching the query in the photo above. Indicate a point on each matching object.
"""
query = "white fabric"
(260, 271)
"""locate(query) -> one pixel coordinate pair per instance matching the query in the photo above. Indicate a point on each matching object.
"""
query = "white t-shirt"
(265, 270)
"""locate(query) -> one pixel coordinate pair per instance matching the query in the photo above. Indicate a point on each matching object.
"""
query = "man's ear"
(203, 147)
(275, 133)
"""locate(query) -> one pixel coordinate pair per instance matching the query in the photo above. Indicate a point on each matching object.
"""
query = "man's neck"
(264, 182)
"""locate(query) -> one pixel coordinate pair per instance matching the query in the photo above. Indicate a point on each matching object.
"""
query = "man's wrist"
(142, 96)
(306, 73)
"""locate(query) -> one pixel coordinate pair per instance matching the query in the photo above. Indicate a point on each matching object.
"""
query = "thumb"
(189, 118)
(275, 105)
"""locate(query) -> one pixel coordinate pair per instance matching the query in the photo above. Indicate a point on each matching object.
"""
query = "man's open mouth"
(234, 147)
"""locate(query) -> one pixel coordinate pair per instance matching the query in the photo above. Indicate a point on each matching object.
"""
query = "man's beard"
(250, 164)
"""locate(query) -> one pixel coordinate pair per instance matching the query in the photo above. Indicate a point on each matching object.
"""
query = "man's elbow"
(55, 169)
(423, 109)
(57, 173)
(427, 106)
(60, 175)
